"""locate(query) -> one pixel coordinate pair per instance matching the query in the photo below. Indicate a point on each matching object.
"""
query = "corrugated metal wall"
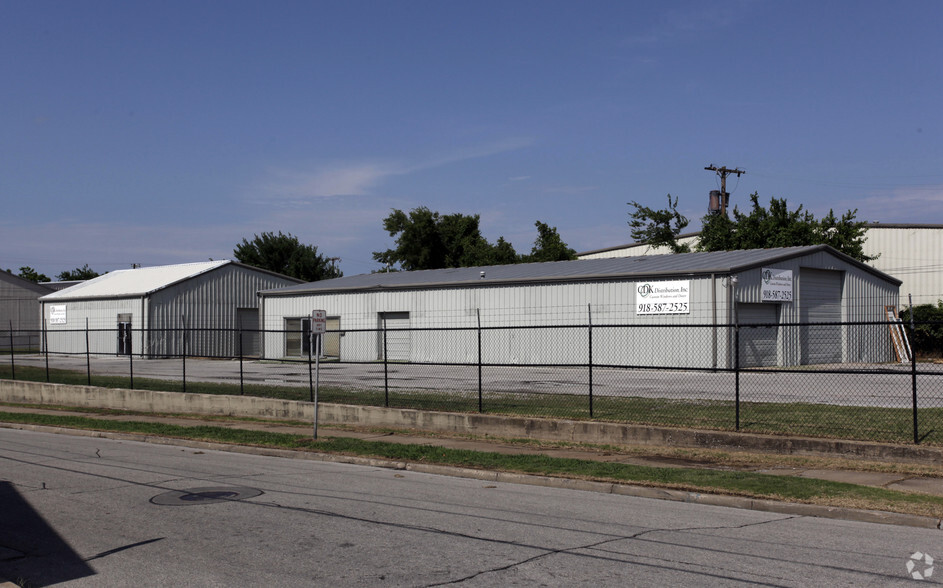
(640, 340)
(208, 301)
(19, 308)
(864, 296)
(913, 255)
(101, 316)
(562, 307)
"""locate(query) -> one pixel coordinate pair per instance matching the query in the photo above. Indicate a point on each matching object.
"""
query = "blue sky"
(166, 132)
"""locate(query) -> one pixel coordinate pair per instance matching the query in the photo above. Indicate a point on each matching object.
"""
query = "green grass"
(885, 425)
(709, 480)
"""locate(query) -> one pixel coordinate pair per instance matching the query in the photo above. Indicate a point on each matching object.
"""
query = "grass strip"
(737, 483)
(883, 425)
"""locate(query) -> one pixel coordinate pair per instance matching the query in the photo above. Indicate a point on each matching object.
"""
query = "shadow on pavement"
(31, 550)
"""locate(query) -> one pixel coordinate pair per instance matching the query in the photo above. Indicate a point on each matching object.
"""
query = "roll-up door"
(397, 335)
(820, 302)
(758, 345)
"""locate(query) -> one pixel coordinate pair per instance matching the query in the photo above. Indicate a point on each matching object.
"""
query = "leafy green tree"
(285, 254)
(927, 337)
(28, 273)
(778, 226)
(760, 228)
(80, 273)
(548, 246)
(659, 228)
(427, 240)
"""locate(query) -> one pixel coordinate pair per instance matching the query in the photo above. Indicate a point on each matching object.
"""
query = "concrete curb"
(787, 508)
(24, 392)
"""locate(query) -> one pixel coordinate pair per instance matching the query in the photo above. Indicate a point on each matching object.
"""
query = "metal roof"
(714, 262)
(135, 282)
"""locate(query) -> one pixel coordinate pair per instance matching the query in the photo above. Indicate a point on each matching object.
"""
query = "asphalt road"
(874, 389)
(80, 511)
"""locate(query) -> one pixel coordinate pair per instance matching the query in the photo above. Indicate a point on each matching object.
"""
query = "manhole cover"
(204, 496)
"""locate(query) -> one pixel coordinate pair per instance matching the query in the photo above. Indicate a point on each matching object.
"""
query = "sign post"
(318, 327)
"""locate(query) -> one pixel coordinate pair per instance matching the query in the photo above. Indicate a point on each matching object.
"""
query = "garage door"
(758, 345)
(397, 336)
(820, 302)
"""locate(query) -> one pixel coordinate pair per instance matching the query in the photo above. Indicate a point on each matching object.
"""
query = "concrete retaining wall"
(20, 392)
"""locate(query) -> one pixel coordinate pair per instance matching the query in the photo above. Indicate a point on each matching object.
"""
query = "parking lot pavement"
(885, 386)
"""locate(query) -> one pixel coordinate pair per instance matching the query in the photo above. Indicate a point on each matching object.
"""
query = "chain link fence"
(850, 380)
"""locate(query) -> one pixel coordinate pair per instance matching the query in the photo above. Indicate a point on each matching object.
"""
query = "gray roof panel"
(717, 262)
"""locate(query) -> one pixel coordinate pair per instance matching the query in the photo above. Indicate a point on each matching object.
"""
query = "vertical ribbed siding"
(911, 254)
(564, 307)
(209, 303)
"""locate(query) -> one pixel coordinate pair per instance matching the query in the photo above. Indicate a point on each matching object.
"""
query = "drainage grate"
(204, 496)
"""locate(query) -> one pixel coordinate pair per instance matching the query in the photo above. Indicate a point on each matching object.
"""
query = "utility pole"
(723, 172)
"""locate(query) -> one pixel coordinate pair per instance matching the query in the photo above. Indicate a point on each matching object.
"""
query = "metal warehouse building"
(145, 310)
(18, 304)
(911, 252)
(665, 310)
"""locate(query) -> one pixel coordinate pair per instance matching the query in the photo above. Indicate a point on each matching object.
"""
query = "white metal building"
(145, 310)
(646, 311)
(912, 253)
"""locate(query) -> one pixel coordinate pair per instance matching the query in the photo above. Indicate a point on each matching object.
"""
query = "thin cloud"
(906, 204)
(359, 178)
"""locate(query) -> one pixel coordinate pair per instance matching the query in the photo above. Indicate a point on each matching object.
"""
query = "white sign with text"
(663, 297)
(57, 314)
(776, 285)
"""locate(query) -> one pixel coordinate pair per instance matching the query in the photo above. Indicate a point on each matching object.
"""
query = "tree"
(80, 273)
(284, 254)
(659, 228)
(28, 273)
(428, 240)
(761, 228)
(548, 246)
(927, 336)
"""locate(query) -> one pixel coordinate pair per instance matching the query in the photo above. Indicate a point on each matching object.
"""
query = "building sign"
(776, 285)
(663, 297)
(57, 314)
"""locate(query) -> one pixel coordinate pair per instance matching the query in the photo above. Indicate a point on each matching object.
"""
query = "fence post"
(242, 390)
(589, 314)
(736, 370)
(913, 367)
(88, 355)
(46, 349)
(12, 360)
(386, 376)
(478, 312)
(131, 356)
(183, 319)
(310, 378)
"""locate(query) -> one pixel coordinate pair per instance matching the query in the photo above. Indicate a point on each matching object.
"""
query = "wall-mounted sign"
(57, 314)
(776, 285)
(663, 297)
